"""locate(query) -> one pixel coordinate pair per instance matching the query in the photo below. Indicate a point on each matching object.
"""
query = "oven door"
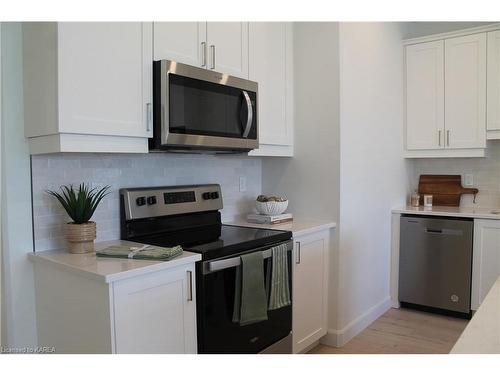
(203, 109)
(215, 302)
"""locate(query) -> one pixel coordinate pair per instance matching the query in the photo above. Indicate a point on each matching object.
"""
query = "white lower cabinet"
(156, 313)
(310, 288)
(486, 259)
(152, 312)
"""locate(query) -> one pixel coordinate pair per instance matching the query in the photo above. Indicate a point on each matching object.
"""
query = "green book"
(148, 252)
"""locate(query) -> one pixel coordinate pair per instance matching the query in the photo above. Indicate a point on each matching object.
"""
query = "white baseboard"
(338, 338)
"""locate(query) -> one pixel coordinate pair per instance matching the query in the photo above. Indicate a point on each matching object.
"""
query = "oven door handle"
(218, 265)
(249, 114)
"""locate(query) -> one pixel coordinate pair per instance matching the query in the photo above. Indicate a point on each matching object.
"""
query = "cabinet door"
(425, 96)
(465, 91)
(486, 259)
(269, 44)
(228, 47)
(493, 94)
(184, 42)
(310, 291)
(105, 78)
(156, 313)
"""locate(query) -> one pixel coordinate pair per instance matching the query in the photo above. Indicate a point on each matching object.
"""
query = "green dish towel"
(280, 290)
(140, 252)
(250, 302)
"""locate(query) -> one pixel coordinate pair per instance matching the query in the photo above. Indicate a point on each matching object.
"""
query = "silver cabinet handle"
(298, 252)
(448, 138)
(149, 116)
(190, 285)
(212, 52)
(439, 138)
(249, 115)
(203, 54)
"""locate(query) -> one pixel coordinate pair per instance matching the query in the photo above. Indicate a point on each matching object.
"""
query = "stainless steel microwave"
(197, 109)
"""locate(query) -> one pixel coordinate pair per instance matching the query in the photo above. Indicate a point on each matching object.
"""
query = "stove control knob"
(141, 201)
(151, 200)
(206, 195)
(214, 195)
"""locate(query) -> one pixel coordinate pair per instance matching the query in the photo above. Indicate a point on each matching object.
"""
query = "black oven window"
(204, 108)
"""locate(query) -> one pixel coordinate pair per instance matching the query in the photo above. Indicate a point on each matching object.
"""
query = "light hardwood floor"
(403, 331)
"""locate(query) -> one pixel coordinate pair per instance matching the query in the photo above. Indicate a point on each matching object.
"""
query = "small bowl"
(271, 208)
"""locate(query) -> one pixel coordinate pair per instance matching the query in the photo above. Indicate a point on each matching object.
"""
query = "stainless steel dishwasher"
(435, 263)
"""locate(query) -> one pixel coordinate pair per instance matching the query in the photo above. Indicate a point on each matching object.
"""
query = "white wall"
(2, 305)
(373, 173)
(310, 179)
(20, 328)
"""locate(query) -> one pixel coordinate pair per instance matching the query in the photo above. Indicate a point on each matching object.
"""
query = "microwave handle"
(250, 114)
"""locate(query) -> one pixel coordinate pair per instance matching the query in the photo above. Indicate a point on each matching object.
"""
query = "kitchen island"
(482, 334)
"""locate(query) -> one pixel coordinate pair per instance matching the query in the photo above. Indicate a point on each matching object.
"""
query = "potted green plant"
(80, 205)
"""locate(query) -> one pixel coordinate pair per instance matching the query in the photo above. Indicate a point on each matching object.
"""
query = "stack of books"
(269, 219)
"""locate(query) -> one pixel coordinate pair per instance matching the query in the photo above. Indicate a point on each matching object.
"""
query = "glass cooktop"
(219, 240)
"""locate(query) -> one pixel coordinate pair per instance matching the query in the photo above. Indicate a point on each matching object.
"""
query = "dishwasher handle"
(448, 232)
(437, 231)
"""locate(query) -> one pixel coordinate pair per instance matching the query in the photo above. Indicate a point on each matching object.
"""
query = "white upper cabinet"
(446, 97)
(219, 46)
(184, 42)
(493, 94)
(227, 44)
(270, 64)
(425, 96)
(105, 78)
(465, 91)
(88, 85)
(95, 93)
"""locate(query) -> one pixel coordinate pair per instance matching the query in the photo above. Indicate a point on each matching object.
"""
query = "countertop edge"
(435, 211)
(317, 228)
(159, 266)
(310, 226)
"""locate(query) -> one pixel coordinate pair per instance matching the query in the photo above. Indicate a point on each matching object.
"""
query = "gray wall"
(417, 29)
(311, 179)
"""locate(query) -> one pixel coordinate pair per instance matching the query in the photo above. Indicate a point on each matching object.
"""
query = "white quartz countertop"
(470, 212)
(298, 226)
(108, 269)
(482, 334)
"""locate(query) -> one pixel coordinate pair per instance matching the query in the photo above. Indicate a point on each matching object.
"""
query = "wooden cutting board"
(446, 190)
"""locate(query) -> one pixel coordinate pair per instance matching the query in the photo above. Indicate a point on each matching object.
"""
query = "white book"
(269, 219)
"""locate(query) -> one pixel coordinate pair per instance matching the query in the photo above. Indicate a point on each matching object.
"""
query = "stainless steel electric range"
(190, 216)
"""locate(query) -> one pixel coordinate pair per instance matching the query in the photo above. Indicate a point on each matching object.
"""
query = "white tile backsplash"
(485, 171)
(119, 171)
